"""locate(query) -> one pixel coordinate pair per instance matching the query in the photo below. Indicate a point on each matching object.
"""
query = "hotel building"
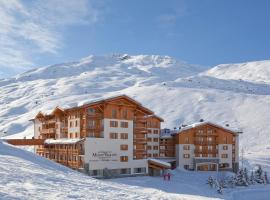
(108, 137)
(207, 146)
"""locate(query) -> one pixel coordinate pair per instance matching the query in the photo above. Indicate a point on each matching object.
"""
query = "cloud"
(36, 27)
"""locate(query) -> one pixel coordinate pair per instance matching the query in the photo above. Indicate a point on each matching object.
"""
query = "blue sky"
(206, 32)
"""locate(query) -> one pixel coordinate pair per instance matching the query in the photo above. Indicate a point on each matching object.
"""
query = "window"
(149, 139)
(113, 136)
(155, 155)
(186, 156)
(92, 123)
(186, 167)
(224, 155)
(149, 147)
(124, 114)
(91, 134)
(155, 131)
(149, 131)
(124, 158)
(200, 131)
(225, 139)
(70, 124)
(76, 134)
(155, 139)
(125, 171)
(76, 123)
(149, 155)
(124, 124)
(225, 147)
(91, 111)
(124, 136)
(210, 131)
(139, 170)
(186, 147)
(114, 113)
(113, 124)
(124, 147)
(155, 148)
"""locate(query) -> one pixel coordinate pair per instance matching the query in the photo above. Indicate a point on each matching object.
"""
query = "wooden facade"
(167, 146)
(88, 121)
(209, 141)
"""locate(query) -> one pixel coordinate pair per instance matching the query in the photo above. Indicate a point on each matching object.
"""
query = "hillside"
(238, 94)
(39, 178)
(25, 175)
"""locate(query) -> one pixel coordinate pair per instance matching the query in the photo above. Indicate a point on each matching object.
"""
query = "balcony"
(206, 151)
(48, 131)
(140, 140)
(205, 143)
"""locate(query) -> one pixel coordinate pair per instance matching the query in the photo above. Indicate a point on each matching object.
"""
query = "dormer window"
(91, 111)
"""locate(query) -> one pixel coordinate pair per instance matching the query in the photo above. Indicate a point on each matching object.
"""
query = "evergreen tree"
(252, 178)
(246, 175)
(240, 178)
(210, 181)
(259, 175)
(266, 180)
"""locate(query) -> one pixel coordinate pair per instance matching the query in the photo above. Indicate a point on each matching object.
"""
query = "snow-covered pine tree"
(259, 175)
(246, 175)
(219, 187)
(266, 180)
(232, 182)
(252, 178)
(240, 178)
(210, 181)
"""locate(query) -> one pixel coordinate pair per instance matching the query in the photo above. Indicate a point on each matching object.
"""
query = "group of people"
(166, 175)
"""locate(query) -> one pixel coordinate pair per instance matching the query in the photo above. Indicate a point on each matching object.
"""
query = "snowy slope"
(258, 71)
(178, 92)
(27, 176)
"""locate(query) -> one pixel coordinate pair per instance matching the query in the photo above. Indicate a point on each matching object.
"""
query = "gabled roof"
(155, 116)
(198, 124)
(58, 109)
(98, 101)
(113, 98)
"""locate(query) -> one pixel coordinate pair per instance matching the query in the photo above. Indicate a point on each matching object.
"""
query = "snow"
(180, 93)
(160, 162)
(25, 175)
(194, 125)
(28, 176)
(62, 141)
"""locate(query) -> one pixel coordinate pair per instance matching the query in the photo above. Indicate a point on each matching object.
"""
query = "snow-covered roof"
(97, 100)
(197, 124)
(155, 116)
(63, 141)
(161, 162)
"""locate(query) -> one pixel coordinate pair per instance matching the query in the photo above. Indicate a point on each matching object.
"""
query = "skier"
(164, 176)
(169, 176)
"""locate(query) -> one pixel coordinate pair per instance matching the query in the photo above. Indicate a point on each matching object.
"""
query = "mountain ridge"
(178, 92)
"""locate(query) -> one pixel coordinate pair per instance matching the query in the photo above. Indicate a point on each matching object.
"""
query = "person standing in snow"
(169, 176)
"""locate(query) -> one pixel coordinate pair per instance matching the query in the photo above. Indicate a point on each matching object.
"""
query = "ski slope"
(235, 94)
(25, 176)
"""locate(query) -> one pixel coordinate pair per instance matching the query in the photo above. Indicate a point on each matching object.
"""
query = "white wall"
(222, 151)
(106, 145)
(37, 124)
(181, 161)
